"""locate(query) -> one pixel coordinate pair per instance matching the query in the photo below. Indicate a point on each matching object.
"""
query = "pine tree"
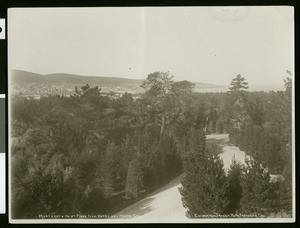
(204, 184)
(237, 108)
(133, 180)
(234, 190)
(238, 84)
(259, 195)
(108, 168)
(288, 84)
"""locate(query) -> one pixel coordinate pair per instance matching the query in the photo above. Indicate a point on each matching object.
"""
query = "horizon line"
(141, 79)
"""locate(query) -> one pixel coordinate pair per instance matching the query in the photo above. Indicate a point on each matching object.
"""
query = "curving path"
(161, 206)
(229, 151)
(164, 205)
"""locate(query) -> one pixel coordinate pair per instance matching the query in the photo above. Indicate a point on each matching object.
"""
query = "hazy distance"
(200, 44)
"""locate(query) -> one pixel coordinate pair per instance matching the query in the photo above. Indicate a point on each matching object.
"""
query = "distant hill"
(23, 77)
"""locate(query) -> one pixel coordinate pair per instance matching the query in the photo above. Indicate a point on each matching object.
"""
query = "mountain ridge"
(21, 77)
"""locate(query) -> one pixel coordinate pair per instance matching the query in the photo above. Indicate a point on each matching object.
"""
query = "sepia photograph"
(151, 114)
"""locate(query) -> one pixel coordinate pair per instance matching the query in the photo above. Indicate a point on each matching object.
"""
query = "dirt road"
(161, 206)
(165, 205)
(229, 151)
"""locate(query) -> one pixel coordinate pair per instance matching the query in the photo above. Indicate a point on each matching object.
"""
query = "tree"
(237, 108)
(204, 183)
(133, 180)
(108, 167)
(259, 195)
(157, 84)
(238, 84)
(288, 84)
(182, 88)
(163, 101)
(238, 91)
(90, 100)
(234, 189)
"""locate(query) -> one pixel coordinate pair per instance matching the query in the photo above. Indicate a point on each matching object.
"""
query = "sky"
(204, 44)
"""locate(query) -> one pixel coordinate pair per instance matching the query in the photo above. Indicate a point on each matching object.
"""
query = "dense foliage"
(260, 124)
(94, 153)
(84, 153)
(265, 133)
